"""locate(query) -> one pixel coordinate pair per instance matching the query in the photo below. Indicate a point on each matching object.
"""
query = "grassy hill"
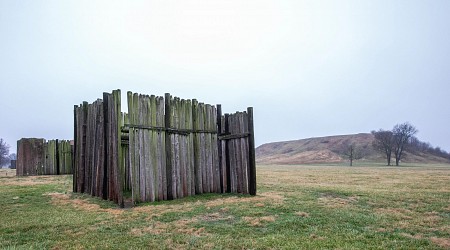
(327, 150)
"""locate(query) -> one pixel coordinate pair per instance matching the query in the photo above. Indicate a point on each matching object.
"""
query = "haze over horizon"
(309, 68)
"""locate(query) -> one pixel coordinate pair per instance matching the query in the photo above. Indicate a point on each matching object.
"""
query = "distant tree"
(402, 134)
(384, 143)
(13, 156)
(351, 152)
(4, 152)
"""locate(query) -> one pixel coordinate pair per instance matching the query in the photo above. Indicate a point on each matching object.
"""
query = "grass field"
(297, 207)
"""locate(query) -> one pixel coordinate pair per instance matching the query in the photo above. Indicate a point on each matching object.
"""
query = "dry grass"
(8, 177)
(309, 207)
(61, 199)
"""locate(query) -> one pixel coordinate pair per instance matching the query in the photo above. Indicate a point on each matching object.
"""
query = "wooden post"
(227, 155)
(58, 164)
(106, 149)
(168, 146)
(219, 144)
(74, 156)
(251, 153)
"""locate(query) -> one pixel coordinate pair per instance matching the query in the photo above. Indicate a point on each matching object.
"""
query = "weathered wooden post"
(251, 153)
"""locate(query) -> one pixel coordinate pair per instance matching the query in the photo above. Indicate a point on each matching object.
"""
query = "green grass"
(297, 207)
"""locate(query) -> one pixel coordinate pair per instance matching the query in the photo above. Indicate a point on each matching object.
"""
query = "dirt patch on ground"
(65, 199)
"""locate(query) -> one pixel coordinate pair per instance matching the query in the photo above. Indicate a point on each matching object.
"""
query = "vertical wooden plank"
(131, 146)
(118, 148)
(208, 153)
(142, 163)
(251, 153)
(83, 147)
(100, 150)
(238, 154)
(160, 155)
(197, 148)
(136, 145)
(88, 150)
(203, 161)
(244, 153)
(57, 165)
(215, 153)
(182, 149)
(176, 149)
(190, 149)
(227, 154)
(146, 151)
(104, 181)
(75, 152)
(169, 156)
(219, 146)
(151, 121)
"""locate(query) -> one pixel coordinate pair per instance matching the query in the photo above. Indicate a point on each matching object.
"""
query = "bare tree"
(12, 156)
(351, 152)
(384, 143)
(4, 152)
(402, 134)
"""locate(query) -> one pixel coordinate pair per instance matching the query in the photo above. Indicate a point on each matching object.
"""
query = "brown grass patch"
(155, 228)
(381, 230)
(272, 197)
(316, 237)
(7, 172)
(401, 213)
(179, 227)
(417, 236)
(31, 180)
(214, 217)
(336, 202)
(442, 242)
(302, 214)
(258, 221)
(158, 210)
(64, 199)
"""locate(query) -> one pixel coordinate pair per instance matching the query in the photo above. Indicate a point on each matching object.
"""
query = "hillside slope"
(327, 150)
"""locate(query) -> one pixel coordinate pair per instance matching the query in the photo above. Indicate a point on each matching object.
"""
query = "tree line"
(402, 137)
(393, 144)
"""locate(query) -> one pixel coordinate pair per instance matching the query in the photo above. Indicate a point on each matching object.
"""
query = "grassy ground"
(297, 207)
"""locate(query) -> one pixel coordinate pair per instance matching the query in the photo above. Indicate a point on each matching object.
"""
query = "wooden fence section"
(146, 147)
(237, 152)
(164, 148)
(39, 157)
(97, 153)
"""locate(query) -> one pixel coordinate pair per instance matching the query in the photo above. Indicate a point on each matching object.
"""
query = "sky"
(310, 68)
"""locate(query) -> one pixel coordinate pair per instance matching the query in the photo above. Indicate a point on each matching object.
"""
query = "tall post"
(106, 161)
(227, 155)
(167, 122)
(251, 153)
(219, 145)
(57, 157)
(74, 153)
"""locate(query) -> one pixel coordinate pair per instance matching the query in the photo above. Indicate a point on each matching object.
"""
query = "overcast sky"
(309, 68)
